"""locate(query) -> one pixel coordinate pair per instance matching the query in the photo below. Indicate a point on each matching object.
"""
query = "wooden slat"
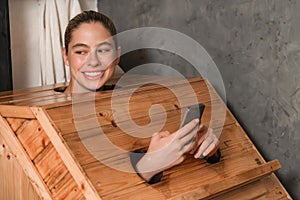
(84, 184)
(229, 183)
(43, 100)
(67, 189)
(265, 188)
(64, 119)
(32, 137)
(15, 123)
(56, 175)
(197, 84)
(27, 91)
(24, 160)
(50, 166)
(27, 96)
(16, 111)
(13, 181)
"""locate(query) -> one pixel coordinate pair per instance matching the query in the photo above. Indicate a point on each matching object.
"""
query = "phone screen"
(192, 112)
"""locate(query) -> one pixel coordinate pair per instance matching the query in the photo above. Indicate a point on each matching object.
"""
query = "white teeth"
(92, 73)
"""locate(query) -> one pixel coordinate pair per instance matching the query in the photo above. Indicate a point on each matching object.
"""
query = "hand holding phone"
(192, 112)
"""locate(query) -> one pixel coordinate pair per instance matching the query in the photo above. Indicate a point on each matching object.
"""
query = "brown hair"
(88, 17)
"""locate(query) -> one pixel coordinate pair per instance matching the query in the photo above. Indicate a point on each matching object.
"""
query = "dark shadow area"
(5, 58)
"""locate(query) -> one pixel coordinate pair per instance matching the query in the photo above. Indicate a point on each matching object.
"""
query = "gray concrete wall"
(256, 46)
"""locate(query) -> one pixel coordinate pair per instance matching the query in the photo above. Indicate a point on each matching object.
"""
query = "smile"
(93, 75)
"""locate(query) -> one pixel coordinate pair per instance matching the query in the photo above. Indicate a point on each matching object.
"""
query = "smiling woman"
(90, 51)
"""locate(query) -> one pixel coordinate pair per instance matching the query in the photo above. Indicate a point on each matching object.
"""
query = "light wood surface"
(14, 183)
(23, 158)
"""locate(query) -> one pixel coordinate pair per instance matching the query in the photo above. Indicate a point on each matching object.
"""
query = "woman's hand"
(207, 143)
(167, 150)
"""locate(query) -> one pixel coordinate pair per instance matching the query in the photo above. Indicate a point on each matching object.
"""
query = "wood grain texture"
(238, 152)
(15, 184)
(63, 151)
(16, 112)
(32, 137)
(24, 160)
(238, 180)
(53, 141)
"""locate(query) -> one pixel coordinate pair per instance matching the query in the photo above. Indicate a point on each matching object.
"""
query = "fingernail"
(154, 134)
(198, 156)
(197, 120)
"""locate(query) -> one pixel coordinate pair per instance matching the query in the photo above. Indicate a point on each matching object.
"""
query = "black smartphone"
(192, 112)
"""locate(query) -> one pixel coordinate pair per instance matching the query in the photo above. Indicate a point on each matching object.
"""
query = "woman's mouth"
(93, 75)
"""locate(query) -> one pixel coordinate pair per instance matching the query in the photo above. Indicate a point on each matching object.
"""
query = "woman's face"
(92, 57)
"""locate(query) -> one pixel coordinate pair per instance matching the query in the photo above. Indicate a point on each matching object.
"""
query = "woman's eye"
(80, 52)
(103, 50)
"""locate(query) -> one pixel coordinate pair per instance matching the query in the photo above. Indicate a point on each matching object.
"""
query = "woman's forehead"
(91, 33)
(95, 28)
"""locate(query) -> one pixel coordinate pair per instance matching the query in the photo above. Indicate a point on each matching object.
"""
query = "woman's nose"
(93, 60)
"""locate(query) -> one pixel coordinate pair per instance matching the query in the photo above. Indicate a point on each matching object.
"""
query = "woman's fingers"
(208, 145)
(200, 136)
(187, 128)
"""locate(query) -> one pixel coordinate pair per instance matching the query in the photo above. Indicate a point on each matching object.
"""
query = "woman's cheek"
(78, 62)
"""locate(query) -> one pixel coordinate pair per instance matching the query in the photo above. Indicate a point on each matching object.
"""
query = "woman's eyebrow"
(79, 45)
(104, 43)
(84, 45)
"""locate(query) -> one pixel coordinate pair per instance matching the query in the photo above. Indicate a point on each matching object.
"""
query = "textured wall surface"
(256, 46)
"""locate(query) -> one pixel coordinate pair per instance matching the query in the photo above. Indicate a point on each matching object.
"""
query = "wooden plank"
(197, 84)
(50, 166)
(23, 159)
(266, 188)
(121, 139)
(67, 189)
(16, 111)
(32, 137)
(74, 168)
(26, 97)
(26, 91)
(49, 101)
(229, 183)
(56, 175)
(15, 123)
(13, 181)
(43, 100)
(102, 115)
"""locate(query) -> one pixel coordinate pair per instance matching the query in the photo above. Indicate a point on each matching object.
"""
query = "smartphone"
(192, 112)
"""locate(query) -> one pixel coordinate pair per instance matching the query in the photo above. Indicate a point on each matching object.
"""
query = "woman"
(92, 54)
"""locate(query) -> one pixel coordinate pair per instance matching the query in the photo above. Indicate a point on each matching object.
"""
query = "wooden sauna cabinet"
(43, 157)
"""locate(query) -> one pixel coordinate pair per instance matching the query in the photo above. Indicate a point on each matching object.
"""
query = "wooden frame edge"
(22, 157)
(16, 111)
(230, 183)
(63, 150)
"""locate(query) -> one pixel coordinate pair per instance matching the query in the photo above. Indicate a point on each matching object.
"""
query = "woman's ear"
(65, 56)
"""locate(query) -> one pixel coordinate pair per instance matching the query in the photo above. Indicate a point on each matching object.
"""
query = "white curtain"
(55, 17)
(37, 28)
